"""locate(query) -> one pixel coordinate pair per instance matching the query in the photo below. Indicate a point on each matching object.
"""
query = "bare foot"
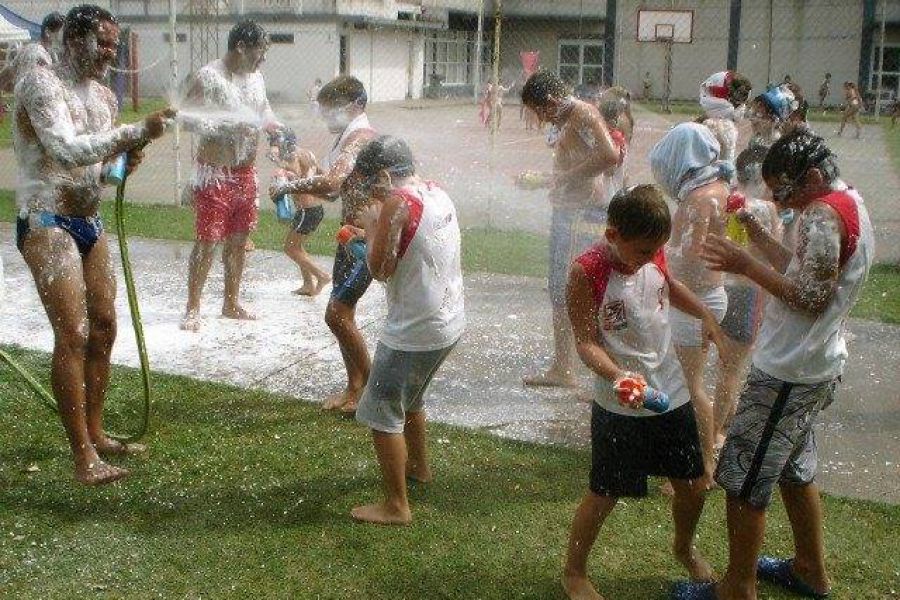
(238, 312)
(698, 569)
(305, 290)
(346, 401)
(350, 406)
(99, 472)
(190, 321)
(110, 447)
(419, 474)
(552, 378)
(579, 587)
(321, 282)
(381, 515)
(666, 489)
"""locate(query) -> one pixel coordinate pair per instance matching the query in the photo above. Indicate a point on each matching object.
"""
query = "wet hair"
(615, 108)
(84, 20)
(640, 212)
(540, 86)
(748, 163)
(739, 89)
(796, 153)
(385, 152)
(341, 90)
(827, 74)
(52, 22)
(247, 32)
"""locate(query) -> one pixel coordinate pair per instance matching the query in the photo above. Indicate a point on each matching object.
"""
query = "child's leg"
(731, 378)
(294, 250)
(693, 361)
(746, 527)
(687, 504)
(589, 517)
(804, 510)
(390, 448)
(417, 467)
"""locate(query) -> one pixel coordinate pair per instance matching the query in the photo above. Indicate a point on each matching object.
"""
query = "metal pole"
(173, 97)
(495, 105)
(880, 63)
(771, 25)
(476, 79)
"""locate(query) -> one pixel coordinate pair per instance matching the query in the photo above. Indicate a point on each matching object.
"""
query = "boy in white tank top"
(413, 246)
(798, 359)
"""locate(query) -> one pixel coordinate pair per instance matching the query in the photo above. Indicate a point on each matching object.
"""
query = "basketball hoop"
(667, 27)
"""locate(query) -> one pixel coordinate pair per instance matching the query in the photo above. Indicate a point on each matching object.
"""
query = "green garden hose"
(46, 397)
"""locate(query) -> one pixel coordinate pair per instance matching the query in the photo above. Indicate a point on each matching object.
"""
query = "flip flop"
(692, 590)
(780, 572)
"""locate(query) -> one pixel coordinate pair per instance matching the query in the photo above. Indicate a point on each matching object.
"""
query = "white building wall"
(389, 62)
(290, 69)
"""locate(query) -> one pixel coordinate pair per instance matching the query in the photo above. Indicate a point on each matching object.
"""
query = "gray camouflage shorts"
(771, 439)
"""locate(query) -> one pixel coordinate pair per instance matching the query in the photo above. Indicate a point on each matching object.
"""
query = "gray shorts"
(688, 330)
(771, 439)
(397, 384)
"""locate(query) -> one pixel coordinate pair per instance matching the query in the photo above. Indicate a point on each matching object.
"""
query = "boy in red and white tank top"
(799, 357)
(618, 301)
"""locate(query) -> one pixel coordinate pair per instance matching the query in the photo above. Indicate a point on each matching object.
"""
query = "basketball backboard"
(675, 26)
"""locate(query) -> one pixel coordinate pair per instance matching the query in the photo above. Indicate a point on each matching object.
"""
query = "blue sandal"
(692, 590)
(780, 571)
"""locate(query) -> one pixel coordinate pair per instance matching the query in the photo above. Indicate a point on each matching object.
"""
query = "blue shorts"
(350, 277)
(85, 231)
(572, 232)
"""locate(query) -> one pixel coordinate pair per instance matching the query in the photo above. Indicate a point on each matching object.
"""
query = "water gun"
(355, 245)
(284, 203)
(734, 229)
(634, 392)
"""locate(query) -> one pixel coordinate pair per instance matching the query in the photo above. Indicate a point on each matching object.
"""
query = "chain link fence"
(429, 66)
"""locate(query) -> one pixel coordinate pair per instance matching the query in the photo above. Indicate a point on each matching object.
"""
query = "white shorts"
(687, 330)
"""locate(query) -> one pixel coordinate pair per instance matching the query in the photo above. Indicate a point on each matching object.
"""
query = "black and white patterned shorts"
(771, 439)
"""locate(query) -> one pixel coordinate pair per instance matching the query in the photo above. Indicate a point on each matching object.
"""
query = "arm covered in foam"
(41, 94)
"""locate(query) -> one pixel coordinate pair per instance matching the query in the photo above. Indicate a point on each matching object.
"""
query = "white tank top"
(801, 348)
(633, 323)
(425, 293)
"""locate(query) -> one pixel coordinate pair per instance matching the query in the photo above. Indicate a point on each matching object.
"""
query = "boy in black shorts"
(307, 217)
(619, 294)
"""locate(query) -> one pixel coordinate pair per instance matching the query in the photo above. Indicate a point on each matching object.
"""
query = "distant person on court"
(619, 294)
(342, 105)
(800, 354)
(853, 105)
(413, 241)
(583, 150)
(824, 91)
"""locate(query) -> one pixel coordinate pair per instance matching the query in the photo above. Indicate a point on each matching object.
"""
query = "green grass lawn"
(246, 494)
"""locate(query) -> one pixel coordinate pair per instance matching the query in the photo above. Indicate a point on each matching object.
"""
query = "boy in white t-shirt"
(619, 293)
(413, 243)
(798, 360)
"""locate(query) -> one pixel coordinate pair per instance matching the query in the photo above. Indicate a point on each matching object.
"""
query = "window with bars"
(890, 75)
(450, 56)
(581, 62)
